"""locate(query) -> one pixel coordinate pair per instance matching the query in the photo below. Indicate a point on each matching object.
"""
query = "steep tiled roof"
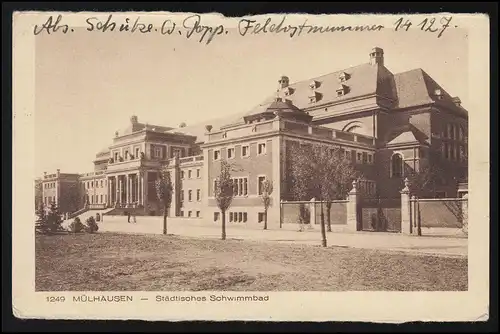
(416, 87)
(361, 80)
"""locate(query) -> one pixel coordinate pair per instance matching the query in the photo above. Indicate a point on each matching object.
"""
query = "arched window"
(354, 127)
(396, 165)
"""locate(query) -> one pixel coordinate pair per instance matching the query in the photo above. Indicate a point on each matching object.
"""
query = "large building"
(387, 124)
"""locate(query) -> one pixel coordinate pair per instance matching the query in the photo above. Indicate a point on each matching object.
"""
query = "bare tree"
(321, 172)
(224, 192)
(338, 174)
(164, 191)
(267, 189)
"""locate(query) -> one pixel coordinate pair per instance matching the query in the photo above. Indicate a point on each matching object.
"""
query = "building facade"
(386, 124)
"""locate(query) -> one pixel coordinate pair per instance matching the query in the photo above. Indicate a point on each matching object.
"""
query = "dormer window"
(314, 97)
(314, 84)
(342, 90)
(438, 93)
(343, 77)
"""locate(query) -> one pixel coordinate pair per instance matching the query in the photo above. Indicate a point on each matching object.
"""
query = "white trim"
(402, 164)
(220, 153)
(259, 176)
(265, 148)
(248, 151)
(227, 152)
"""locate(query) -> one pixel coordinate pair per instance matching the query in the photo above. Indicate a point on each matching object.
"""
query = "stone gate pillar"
(352, 208)
(406, 227)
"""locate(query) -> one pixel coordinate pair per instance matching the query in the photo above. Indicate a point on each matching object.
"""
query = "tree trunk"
(323, 232)
(223, 236)
(265, 219)
(165, 220)
(329, 218)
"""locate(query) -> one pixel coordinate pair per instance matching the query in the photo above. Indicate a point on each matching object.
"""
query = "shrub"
(76, 226)
(41, 221)
(92, 226)
(49, 223)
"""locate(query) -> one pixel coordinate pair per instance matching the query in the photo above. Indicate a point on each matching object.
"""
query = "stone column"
(120, 189)
(312, 213)
(108, 183)
(127, 195)
(406, 223)
(465, 214)
(145, 188)
(352, 208)
(140, 192)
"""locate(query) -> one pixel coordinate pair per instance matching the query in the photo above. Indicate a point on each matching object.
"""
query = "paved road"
(443, 246)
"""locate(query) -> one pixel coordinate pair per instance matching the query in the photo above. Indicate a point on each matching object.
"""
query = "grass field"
(112, 262)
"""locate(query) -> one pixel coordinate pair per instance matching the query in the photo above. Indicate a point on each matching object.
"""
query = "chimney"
(457, 101)
(134, 119)
(283, 82)
(377, 56)
(58, 172)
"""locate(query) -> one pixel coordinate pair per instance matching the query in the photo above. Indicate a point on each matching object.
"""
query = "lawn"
(114, 262)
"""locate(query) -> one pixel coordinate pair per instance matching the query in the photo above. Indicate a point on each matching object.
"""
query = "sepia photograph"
(188, 153)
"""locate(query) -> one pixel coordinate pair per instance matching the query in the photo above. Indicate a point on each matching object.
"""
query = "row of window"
(157, 152)
(453, 152)
(190, 195)
(98, 199)
(49, 199)
(245, 151)
(95, 184)
(190, 174)
(240, 185)
(453, 131)
(239, 217)
(190, 214)
(49, 185)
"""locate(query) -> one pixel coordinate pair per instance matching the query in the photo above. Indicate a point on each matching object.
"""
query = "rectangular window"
(157, 152)
(102, 199)
(230, 216)
(240, 217)
(261, 217)
(216, 216)
(190, 193)
(446, 151)
(189, 174)
(102, 183)
(182, 213)
(370, 158)
(198, 213)
(245, 217)
(189, 213)
(230, 153)
(216, 183)
(261, 148)
(182, 195)
(198, 195)
(245, 151)
(198, 174)
(182, 174)
(260, 184)
(137, 152)
(216, 154)
(359, 157)
(365, 157)
(116, 156)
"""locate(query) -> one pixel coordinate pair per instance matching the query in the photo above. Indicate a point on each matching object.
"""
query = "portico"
(128, 189)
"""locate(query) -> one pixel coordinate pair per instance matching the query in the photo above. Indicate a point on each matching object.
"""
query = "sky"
(87, 84)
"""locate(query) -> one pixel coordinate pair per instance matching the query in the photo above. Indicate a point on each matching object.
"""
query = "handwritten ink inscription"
(192, 27)
(426, 25)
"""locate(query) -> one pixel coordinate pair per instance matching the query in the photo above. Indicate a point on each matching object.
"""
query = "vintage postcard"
(184, 166)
